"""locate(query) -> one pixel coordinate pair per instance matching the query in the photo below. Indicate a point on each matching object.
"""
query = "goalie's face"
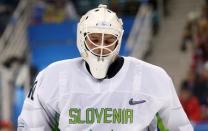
(101, 44)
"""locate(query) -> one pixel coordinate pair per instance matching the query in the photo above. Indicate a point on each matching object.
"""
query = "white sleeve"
(172, 114)
(35, 115)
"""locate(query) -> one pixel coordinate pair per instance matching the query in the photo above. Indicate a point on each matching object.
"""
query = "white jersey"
(67, 96)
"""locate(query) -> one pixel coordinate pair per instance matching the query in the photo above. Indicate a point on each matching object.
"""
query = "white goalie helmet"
(99, 35)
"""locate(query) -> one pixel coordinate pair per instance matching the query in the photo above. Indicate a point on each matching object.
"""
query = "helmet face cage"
(101, 44)
(99, 35)
(100, 21)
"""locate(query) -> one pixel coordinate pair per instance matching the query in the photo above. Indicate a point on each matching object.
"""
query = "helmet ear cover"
(99, 21)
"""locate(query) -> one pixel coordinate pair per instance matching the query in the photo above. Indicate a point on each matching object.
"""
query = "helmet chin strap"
(112, 70)
(98, 66)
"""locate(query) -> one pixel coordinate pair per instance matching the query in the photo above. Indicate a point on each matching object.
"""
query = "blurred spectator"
(196, 32)
(4, 125)
(83, 6)
(204, 109)
(199, 38)
(201, 86)
(200, 50)
(155, 16)
(189, 82)
(59, 10)
(6, 9)
(70, 11)
(190, 104)
(131, 7)
(38, 11)
(55, 12)
(192, 29)
(123, 7)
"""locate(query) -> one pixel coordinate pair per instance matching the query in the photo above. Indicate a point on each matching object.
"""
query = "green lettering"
(79, 119)
(99, 115)
(107, 115)
(73, 114)
(129, 116)
(117, 116)
(123, 116)
(90, 116)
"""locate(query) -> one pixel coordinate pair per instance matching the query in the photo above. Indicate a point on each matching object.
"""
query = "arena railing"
(13, 41)
(141, 34)
(13, 44)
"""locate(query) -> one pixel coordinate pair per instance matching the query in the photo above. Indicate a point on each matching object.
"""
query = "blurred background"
(172, 34)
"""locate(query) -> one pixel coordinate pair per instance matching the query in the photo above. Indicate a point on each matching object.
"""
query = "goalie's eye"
(109, 39)
(101, 44)
(95, 40)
